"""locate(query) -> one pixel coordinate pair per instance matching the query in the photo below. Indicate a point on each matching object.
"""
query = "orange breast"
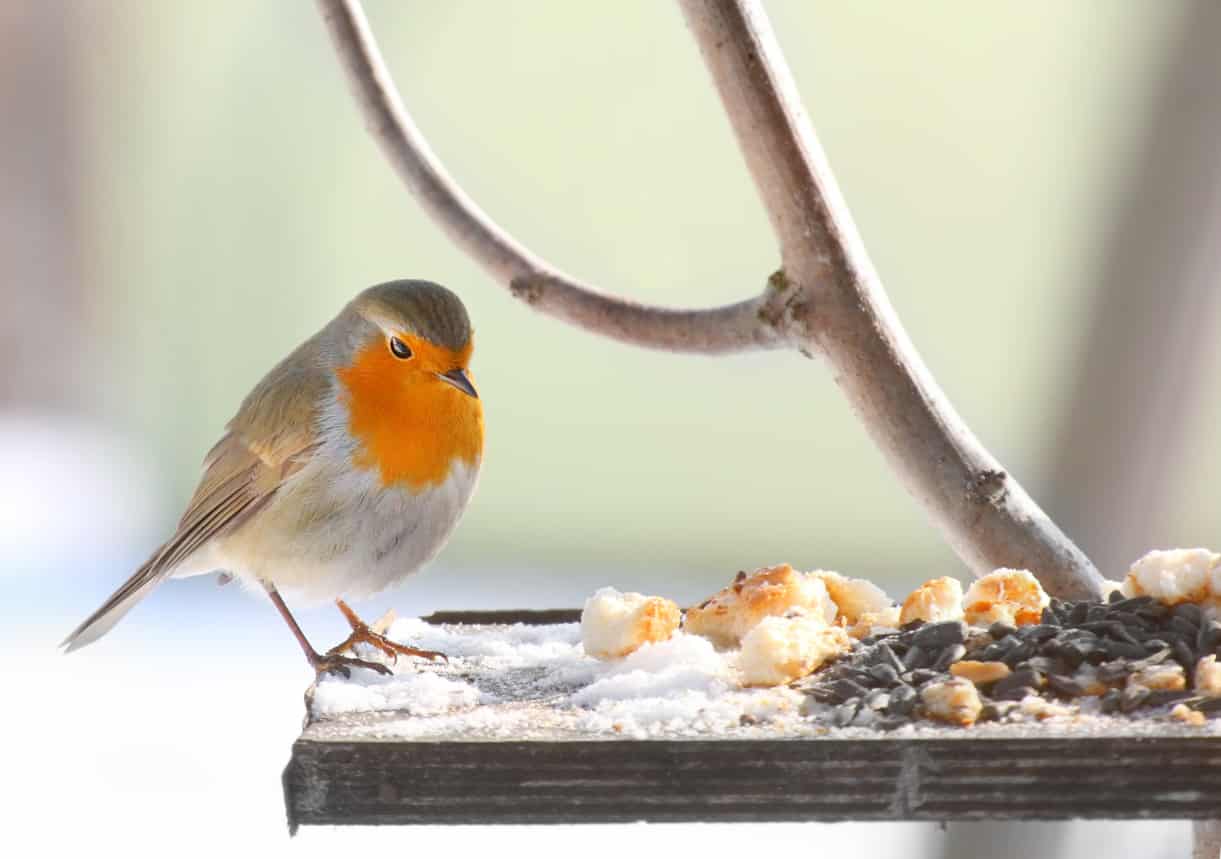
(412, 427)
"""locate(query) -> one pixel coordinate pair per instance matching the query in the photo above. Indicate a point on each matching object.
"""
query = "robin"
(344, 471)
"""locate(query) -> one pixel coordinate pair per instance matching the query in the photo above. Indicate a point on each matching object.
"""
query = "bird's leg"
(362, 633)
(320, 662)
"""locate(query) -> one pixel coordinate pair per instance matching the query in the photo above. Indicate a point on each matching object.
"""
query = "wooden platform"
(352, 769)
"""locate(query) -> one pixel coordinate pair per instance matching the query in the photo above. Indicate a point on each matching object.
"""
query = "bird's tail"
(120, 603)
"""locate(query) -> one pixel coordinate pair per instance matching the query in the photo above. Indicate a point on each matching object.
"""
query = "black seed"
(1045, 665)
(825, 695)
(1096, 612)
(991, 653)
(864, 718)
(1132, 698)
(1015, 693)
(1152, 659)
(1000, 629)
(911, 625)
(1155, 612)
(1184, 655)
(1210, 634)
(884, 654)
(1132, 603)
(1077, 614)
(1124, 650)
(1038, 632)
(988, 713)
(1166, 696)
(1133, 621)
(902, 701)
(935, 636)
(949, 656)
(1050, 618)
(1153, 645)
(1023, 678)
(1115, 597)
(916, 657)
(849, 689)
(920, 676)
(1111, 672)
(1209, 705)
(1021, 653)
(1073, 653)
(1065, 686)
(1110, 701)
(885, 674)
(846, 712)
(1189, 612)
(878, 699)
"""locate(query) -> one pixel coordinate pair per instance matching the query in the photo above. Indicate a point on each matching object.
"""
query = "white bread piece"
(956, 701)
(936, 599)
(1208, 677)
(1175, 576)
(1014, 597)
(614, 624)
(782, 649)
(732, 612)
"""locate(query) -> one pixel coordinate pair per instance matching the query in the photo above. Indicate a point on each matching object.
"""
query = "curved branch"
(988, 518)
(736, 327)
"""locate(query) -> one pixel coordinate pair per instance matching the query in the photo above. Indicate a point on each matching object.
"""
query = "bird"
(345, 469)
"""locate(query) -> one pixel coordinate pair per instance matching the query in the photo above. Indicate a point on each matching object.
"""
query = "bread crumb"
(936, 599)
(1167, 677)
(1188, 716)
(1041, 708)
(782, 649)
(955, 701)
(732, 612)
(1208, 677)
(614, 624)
(1009, 596)
(980, 673)
(1175, 575)
(860, 605)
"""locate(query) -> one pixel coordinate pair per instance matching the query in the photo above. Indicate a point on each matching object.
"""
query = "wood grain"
(337, 782)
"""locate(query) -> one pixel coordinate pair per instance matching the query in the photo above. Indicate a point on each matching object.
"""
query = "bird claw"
(332, 662)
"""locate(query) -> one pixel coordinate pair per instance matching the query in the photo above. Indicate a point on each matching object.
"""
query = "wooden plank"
(338, 782)
(528, 616)
(361, 768)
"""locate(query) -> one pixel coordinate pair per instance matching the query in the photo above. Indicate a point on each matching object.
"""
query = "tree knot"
(527, 287)
(988, 486)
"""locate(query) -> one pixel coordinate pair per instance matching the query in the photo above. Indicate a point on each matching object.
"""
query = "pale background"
(190, 192)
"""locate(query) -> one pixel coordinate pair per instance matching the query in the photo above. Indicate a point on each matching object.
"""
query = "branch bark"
(732, 328)
(827, 299)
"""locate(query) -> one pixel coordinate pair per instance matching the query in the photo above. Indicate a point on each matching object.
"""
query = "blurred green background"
(187, 191)
(234, 202)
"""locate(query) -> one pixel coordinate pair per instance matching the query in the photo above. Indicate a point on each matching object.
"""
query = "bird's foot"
(361, 634)
(332, 662)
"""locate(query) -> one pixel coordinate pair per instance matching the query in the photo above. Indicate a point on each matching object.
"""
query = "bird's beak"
(458, 379)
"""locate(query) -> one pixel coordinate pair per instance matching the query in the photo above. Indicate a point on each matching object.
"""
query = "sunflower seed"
(1000, 629)
(1133, 698)
(949, 656)
(884, 674)
(935, 636)
(902, 701)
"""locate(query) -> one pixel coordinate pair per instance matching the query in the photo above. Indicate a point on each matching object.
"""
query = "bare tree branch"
(827, 298)
(987, 517)
(735, 327)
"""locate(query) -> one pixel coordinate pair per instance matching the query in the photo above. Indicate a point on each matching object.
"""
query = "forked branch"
(732, 328)
(827, 298)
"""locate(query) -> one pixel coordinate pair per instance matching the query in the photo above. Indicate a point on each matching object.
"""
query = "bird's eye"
(399, 348)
